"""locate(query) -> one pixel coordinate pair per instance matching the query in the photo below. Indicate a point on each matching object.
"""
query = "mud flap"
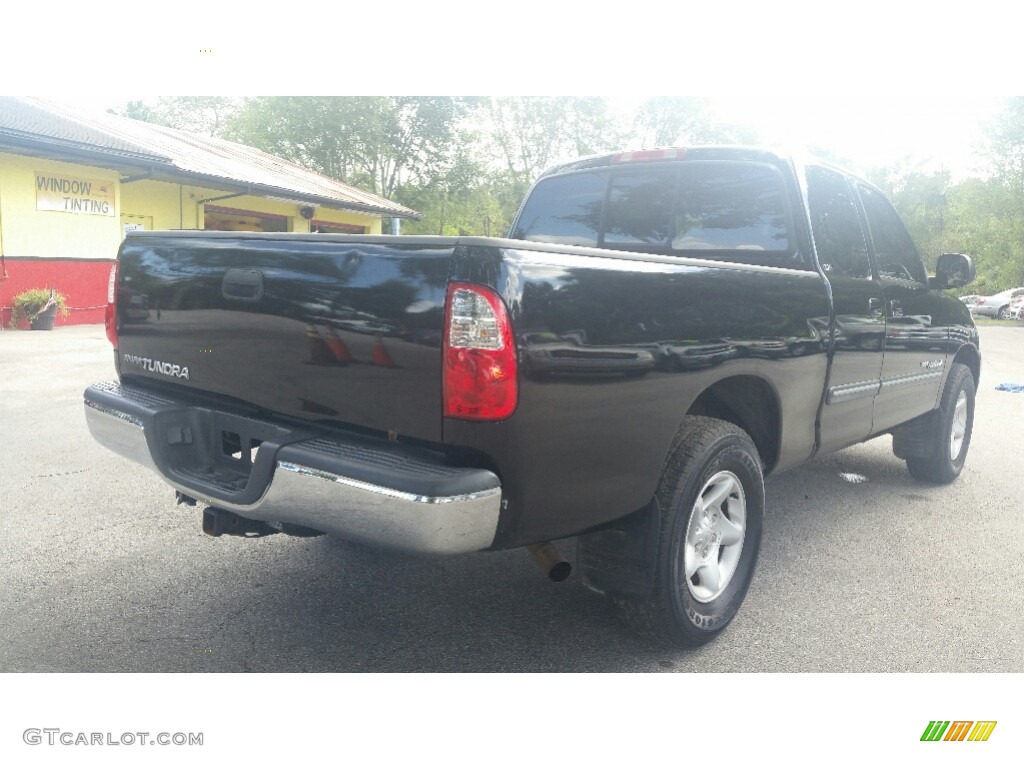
(621, 560)
(917, 437)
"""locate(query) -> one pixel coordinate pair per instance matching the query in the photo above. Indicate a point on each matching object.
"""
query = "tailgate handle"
(242, 285)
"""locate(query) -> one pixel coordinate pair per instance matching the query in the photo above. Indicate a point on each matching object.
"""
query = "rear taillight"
(110, 316)
(481, 380)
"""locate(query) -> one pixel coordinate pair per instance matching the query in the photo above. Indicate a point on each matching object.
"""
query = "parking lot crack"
(61, 474)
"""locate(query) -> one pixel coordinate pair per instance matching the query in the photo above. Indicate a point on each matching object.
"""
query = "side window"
(894, 250)
(838, 237)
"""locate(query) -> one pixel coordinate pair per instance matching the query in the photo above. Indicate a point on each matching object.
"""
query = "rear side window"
(564, 210)
(729, 210)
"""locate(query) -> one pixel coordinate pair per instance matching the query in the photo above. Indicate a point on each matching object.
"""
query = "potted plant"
(39, 307)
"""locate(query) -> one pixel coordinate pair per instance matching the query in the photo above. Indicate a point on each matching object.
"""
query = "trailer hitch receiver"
(220, 522)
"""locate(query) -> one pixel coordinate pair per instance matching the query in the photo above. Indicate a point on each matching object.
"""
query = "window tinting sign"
(73, 194)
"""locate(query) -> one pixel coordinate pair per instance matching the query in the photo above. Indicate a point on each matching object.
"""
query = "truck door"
(915, 339)
(858, 326)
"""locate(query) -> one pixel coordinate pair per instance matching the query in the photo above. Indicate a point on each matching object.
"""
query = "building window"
(235, 220)
(333, 228)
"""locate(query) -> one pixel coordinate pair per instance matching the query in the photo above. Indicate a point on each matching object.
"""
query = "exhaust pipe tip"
(560, 571)
(551, 561)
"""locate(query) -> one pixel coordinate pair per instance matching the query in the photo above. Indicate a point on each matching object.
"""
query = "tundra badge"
(157, 366)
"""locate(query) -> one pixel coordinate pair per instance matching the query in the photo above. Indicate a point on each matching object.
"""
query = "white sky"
(897, 129)
(873, 82)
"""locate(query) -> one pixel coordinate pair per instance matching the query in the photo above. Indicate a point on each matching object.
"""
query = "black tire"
(1004, 313)
(709, 455)
(946, 460)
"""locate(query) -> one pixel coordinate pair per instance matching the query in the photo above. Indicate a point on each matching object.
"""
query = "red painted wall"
(83, 283)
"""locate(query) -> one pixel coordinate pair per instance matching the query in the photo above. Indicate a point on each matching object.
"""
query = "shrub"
(28, 304)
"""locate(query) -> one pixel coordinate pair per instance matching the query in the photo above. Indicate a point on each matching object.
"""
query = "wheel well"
(969, 356)
(750, 404)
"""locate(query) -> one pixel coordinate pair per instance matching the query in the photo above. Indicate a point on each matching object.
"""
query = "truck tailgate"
(324, 328)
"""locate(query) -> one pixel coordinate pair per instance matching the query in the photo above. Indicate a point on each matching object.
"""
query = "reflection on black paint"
(544, 354)
(346, 331)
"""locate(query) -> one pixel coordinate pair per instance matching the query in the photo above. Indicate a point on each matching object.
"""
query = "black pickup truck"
(659, 331)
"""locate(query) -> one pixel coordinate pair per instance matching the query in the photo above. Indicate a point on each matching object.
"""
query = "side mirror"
(954, 270)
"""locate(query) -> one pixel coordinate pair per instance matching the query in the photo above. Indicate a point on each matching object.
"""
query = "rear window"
(713, 209)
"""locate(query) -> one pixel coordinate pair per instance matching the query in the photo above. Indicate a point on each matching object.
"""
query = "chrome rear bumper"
(350, 486)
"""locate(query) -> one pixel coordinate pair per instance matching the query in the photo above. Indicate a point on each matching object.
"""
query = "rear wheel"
(711, 495)
(951, 430)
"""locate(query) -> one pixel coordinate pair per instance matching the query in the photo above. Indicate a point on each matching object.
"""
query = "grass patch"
(1002, 323)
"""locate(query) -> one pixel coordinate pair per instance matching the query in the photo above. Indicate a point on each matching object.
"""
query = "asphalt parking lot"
(99, 571)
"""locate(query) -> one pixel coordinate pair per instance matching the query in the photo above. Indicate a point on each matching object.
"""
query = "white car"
(1017, 308)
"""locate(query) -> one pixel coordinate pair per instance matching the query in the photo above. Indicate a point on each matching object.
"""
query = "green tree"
(1003, 144)
(451, 211)
(922, 198)
(375, 142)
(208, 115)
(136, 110)
(1003, 216)
(987, 222)
(528, 134)
(664, 121)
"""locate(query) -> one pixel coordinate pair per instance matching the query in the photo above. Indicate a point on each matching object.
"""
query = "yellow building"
(72, 185)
